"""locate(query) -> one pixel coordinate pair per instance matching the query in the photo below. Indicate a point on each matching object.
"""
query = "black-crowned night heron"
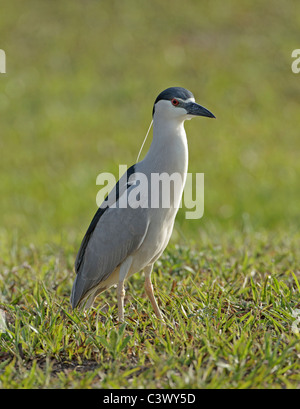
(128, 233)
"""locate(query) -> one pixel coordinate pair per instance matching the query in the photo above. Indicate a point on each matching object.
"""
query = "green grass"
(229, 312)
(76, 101)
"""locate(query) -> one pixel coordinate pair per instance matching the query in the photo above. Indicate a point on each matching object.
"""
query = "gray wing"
(118, 234)
(113, 197)
(112, 236)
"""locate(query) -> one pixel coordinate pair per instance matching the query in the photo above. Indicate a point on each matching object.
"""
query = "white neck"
(169, 150)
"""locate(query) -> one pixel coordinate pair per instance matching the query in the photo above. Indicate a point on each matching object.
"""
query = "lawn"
(230, 321)
(76, 100)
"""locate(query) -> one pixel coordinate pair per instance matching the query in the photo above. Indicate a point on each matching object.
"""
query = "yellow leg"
(149, 292)
(125, 266)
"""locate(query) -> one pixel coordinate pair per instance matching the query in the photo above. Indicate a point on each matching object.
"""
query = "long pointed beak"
(195, 109)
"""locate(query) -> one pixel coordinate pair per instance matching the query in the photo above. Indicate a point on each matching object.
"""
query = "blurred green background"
(77, 99)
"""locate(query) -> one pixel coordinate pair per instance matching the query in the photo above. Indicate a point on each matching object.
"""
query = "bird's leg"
(149, 291)
(121, 296)
(124, 268)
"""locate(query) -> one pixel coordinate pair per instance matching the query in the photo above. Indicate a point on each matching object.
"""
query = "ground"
(230, 310)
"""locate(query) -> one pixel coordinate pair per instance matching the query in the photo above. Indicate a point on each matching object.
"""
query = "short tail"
(75, 294)
(80, 296)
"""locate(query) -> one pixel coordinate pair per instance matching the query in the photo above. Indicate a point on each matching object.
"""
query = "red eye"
(175, 102)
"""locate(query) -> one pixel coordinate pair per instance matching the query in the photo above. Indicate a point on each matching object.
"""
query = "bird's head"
(178, 103)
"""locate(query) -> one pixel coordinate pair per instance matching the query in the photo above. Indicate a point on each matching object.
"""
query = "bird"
(126, 236)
